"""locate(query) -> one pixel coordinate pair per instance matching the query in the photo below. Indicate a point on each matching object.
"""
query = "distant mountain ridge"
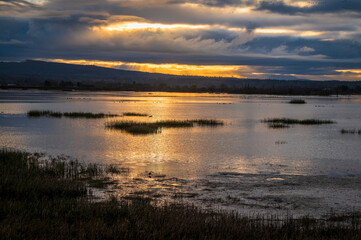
(35, 73)
(70, 72)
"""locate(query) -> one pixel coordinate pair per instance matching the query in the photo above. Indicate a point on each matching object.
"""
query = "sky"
(263, 39)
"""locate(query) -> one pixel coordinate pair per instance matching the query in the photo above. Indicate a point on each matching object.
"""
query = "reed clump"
(208, 122)
(143, 128)
(351, 131)
(88, 115)
(297, 101)
(290, 121)
(47, 200)
(134, 114)
(36, 113)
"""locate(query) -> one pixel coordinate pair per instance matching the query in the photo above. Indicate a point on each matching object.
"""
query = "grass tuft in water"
(143, 128)
(136, 128)
(290, 121)
(36, 113)
(88, 115)
(297, 101)
(134, 114)
(208, 122)
(350, 131)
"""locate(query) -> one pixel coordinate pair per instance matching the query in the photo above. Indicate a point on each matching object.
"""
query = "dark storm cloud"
(321, 6)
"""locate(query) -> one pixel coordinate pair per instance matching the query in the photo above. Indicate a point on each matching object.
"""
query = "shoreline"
(263, 93)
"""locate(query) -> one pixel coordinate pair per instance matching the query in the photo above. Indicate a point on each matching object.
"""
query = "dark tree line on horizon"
(246, 88)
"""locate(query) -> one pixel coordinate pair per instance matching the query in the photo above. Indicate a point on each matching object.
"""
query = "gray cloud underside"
(321, 6)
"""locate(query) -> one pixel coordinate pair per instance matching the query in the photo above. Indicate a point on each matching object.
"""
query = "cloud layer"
(279, 39)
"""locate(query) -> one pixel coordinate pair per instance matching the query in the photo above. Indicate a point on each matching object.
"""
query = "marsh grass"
(350, 131)
(143, 128)
(297, 101)
(36, 113)
(290, 121)
(88, 115)
(208, 122)
(136, 128)
(48, 200)
(134, 114)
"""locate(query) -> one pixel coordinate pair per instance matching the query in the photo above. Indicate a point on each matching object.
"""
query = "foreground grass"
(297, 101)
(48, 200)
(142, 128)
(290, 121)
(36, 113)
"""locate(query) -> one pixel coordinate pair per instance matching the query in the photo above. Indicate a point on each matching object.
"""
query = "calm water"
(243, 165)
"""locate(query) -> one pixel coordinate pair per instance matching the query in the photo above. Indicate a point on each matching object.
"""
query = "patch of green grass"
(36, 113)
(134, 114)
(290, 121)
(143, 128)
(297, 101)
(46, 200)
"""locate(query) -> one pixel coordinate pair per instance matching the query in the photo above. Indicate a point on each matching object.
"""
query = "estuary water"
(243, 166)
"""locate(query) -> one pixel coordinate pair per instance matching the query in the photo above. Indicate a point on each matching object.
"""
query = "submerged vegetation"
(278, 125)
(351, 131)
(297, 101)
(36, 113)
(142, 128)
(48, 200)
(290, 121)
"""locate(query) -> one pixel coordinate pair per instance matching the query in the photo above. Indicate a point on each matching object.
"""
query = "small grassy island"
(134, 114)
(143, 128)
(88, 115)
(287, 122)
(36, 113)
(291, 121)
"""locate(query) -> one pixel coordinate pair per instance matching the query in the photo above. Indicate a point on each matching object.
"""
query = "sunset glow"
(169, 68)
(131, 26)
(244, 39)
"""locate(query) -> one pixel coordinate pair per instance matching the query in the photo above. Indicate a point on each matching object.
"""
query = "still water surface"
(243, 165)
